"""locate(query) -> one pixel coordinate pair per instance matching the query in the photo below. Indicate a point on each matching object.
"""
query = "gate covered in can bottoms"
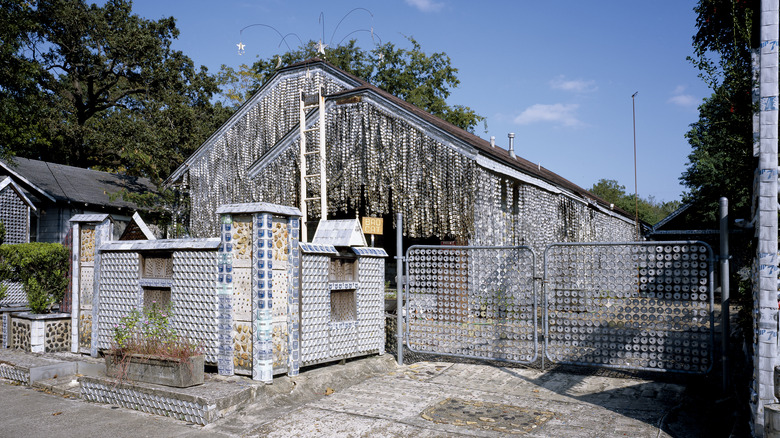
(637, 305)
(474, 302)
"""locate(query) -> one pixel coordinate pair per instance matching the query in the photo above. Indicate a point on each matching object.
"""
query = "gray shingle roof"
(73, 184)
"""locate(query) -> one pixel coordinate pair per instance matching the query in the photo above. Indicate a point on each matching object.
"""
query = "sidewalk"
(375, 397)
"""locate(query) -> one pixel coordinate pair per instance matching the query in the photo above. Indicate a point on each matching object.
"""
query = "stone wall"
(57, 335)
(21, 332)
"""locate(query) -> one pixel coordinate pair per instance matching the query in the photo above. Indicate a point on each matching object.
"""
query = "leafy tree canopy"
(650, 210)
(721, 162)
(416, 77)
(98, 86)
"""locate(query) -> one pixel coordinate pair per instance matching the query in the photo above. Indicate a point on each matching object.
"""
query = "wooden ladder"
(308, 101)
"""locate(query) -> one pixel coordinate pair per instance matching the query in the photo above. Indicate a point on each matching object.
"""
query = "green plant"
(149, 332)
(41, 268)
(2, 232)
(39, 299)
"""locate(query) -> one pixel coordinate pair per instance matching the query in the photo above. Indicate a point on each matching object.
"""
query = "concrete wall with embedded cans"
(258, 302)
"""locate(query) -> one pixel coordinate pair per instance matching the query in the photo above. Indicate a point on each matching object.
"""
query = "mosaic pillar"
(75, 269)
(225, 292)
(293, 300)
(262, 299)
(103, 234)
(765, 289)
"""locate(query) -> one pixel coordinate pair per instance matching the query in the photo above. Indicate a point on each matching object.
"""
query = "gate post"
(399, 286)
(724, 286)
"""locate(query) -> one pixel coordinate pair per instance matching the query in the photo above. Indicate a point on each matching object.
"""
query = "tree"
(721, 162)
(416, 77)
(105, 87)
(20, 99)
(649, 210)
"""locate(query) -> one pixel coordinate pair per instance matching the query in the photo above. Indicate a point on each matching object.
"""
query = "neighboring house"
(384, 156)
(57, 192)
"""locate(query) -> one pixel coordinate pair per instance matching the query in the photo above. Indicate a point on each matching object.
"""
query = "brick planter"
(40, 333)
(156, 370)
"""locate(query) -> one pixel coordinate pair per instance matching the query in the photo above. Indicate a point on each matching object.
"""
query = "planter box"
(156, 370)
(39, 333)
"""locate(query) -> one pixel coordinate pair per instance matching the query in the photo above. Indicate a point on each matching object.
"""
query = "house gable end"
(308, 69)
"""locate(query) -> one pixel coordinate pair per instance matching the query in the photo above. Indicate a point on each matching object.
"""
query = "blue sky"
(559, 74)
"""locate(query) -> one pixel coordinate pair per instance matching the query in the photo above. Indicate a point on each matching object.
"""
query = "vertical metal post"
(399, 287)
(724, 285)
(636, 189)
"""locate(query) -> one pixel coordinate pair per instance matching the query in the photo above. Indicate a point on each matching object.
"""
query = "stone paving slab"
(375, 397)
(396, 405)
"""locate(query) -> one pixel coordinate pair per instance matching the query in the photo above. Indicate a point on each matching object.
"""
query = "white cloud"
(684, 100)
(426, 5)
(559, 113)
(681, 99)
(575, 85)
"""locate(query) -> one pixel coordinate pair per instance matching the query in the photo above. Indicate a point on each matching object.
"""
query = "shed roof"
(67, 184)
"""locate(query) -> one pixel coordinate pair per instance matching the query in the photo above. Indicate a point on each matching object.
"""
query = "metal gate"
(475, 302)
(645, 305)
(638, 305)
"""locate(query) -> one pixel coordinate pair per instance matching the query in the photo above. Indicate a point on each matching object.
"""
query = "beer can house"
(334, 146)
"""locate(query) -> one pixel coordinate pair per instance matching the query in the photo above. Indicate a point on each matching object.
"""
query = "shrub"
(2, 232)
(41, 268)
(150, 333)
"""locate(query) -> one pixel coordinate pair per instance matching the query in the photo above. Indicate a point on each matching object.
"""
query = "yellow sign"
(372, 225)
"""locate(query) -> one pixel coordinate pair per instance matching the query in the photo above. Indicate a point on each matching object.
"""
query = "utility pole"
(636, 190)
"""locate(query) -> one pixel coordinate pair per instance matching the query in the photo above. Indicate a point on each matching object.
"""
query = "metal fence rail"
(639, 305)
(473, 302)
